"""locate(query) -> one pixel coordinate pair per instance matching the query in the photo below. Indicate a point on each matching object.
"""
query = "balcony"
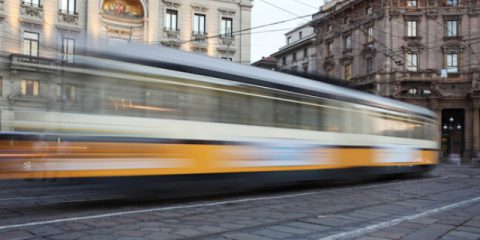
(27, 62)
(415, 76)
(31, 13)
(363, 80)
(68, 18)
(199, 40)
(171, 37)
(226, 44)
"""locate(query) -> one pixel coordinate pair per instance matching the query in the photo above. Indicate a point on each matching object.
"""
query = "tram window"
(200, 104)
(262, 112)
(309, 117)
(234, 108)
(286, 114)
(162, 101)
(332, 119)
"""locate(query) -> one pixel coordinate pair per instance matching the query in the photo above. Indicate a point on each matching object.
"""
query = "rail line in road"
(114, 214)
(400, 201)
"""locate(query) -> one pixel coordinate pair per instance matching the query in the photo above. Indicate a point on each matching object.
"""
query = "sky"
(268, 40)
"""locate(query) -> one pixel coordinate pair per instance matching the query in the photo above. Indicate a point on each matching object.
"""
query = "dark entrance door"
(453, 122)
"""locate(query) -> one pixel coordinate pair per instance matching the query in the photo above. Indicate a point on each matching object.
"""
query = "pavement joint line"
(113, 214)
(372, 228)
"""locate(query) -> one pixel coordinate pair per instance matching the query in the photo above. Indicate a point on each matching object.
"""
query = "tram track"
(86, 204)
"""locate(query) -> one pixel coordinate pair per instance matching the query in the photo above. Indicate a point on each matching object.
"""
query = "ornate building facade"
(298, 54)
(424, 52)
(36, 35)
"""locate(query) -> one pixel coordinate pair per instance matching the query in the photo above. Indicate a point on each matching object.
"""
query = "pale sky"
(268, 40)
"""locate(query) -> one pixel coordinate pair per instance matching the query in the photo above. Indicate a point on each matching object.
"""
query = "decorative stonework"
(171, 4)
(226, 12)
(199, 8)
(28, 12)
(68, 18)
(453, 46)
(414, 45)
(226, 44)
(432, 14)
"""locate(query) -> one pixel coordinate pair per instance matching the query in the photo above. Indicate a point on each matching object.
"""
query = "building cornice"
(308, 41)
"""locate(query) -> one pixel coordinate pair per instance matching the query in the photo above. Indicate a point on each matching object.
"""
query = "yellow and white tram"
(154, 111)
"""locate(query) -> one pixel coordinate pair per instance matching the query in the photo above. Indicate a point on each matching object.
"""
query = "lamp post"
(450, 127)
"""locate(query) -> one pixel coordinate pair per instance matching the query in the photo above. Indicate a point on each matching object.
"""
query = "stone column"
(476, 132)
(468, 135)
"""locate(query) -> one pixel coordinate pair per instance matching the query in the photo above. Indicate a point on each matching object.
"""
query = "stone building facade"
(424, 52)
(299, 52)
(36, 35)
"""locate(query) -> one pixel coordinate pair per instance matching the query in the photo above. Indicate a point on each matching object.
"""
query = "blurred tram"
(155, 111)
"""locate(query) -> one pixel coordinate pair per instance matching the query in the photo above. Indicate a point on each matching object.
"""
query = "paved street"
(445, 205)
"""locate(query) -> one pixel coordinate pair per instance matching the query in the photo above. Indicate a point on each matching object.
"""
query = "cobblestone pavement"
(443, 206)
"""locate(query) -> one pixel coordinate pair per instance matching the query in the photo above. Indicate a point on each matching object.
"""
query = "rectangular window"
(411, 28)
(452, 63)
(369, 34)
(30, 87)
(412, 62)
(289, 39)
(347, 42)
(31, 44)
(171, 20)
(452, 28)
(71, 92)
(294, 56)
(227, 28)
(330, 49)
(411, 3)
(348, 72)
(330, 72)
(284, 61)
(33, 3)
(305, 53)
(369, 66)
(300, 35)
(68, 50)
(369, 10)
(199, 24)
(68, 6)
(452, 2)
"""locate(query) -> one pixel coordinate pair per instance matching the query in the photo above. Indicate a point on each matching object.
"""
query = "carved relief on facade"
(199, 8)
(413, 45)
(226, 12)
(171, 4)
(454, 46)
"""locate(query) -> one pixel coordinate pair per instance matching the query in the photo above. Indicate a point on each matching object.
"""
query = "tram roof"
(173, 59)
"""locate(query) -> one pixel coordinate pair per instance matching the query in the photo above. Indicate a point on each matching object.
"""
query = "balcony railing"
(199, 36)
(200, 40)
(415, 76)
(20, 58)
(171, 33)
(31, 10)
(68, 17)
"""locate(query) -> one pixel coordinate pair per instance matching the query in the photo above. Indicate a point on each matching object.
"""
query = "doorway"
(453, 134)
